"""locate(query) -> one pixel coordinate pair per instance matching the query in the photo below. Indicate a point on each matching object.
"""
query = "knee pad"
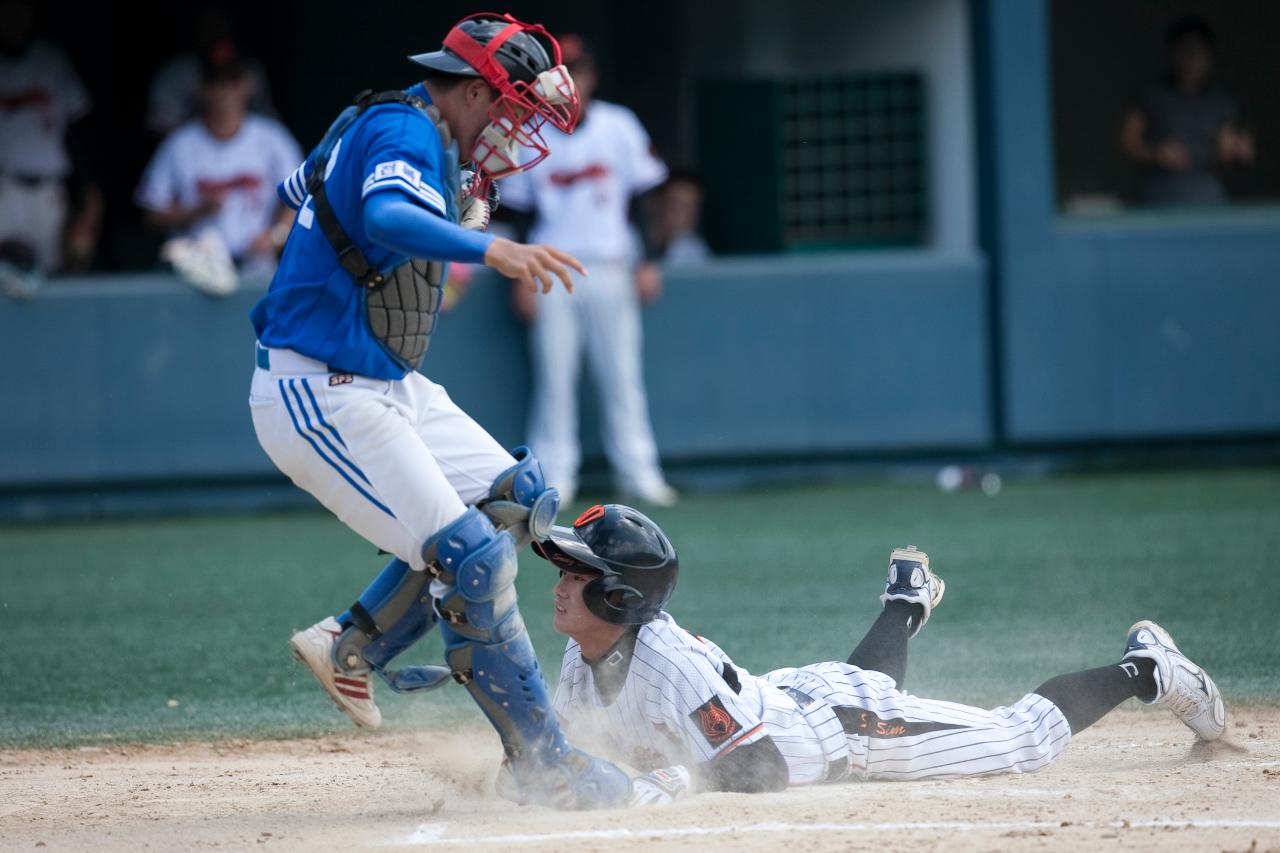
(397, 618)
(520, 501)
(474, 566)
(486, 644)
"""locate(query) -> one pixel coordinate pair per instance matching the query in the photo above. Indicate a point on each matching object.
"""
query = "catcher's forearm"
(393, 221)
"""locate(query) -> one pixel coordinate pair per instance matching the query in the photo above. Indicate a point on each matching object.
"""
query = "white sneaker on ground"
(1181, 686)
(352, 693)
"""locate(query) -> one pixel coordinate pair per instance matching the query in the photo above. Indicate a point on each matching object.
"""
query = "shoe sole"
(937, 599)
(324, 674)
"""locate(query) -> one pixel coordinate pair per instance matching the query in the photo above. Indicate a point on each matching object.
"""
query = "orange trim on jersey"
(734, 745)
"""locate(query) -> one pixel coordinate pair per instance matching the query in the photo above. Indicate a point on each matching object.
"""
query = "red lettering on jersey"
(243, 181)
(715, 723)
(594, 172)
(36, 96)
(590, 515)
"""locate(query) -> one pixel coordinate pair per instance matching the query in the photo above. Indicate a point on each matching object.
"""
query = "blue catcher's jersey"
(313, 306)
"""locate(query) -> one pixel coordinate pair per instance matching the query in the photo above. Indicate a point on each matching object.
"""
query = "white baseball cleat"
(911, 580)
(658, 493)
(1182, 686)
(352, 693)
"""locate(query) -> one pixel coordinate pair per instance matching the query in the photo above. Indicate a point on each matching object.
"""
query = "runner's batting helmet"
(635, 561)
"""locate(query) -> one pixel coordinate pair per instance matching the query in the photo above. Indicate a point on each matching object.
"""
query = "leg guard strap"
(506, 682)
(489, 652)
(392, 614)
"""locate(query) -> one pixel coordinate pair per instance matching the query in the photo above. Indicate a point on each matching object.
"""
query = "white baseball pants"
(395, 460)
(601, 318)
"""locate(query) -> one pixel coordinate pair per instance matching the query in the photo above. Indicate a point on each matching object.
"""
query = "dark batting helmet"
(635, 561)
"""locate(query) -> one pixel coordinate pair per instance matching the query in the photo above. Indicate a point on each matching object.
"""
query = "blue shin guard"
(391, 615)
(489, 651)
(520, 502)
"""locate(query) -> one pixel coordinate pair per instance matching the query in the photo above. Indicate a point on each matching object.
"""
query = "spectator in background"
(675, 211)
(217, 174)
(1183, 130)
(580, 201)
(174, 96)
(50, 205)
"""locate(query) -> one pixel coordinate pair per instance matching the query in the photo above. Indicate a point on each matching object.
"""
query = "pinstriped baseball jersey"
(675, 705)
(679, 699)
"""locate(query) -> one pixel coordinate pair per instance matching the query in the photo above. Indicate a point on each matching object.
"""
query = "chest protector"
(401, 305)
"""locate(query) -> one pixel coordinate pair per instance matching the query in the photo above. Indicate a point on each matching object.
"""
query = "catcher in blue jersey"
(383, 205)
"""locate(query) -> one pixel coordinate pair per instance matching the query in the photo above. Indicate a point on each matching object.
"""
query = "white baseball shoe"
(352, 693)
(911, 580)
(657, 493)
(1182, 686)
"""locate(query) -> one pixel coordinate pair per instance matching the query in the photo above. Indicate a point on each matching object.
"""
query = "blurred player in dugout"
(216, 174)
(50, 204)
(581, 200)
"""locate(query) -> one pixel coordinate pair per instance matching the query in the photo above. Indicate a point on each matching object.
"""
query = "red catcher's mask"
(512, 141)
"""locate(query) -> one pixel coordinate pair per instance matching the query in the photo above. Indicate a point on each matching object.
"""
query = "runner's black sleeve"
(750, 769)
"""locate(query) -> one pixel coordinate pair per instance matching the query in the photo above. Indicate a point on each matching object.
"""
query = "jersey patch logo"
(715, 723)
(396, 169)
(340, 379)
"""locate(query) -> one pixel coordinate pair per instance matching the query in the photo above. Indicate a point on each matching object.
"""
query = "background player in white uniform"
(219, 172)
(339, 407)
(42, 105)
(580, 200)
(643, 690)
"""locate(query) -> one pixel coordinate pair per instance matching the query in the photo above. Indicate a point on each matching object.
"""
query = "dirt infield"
(1134, 782)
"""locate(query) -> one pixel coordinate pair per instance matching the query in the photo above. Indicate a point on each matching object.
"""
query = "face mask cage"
(512, 141)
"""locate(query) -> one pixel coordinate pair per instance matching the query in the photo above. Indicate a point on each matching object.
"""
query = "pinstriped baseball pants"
(894, 735)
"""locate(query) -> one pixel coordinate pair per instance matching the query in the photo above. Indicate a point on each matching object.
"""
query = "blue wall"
(1127, 327)
(143, 379)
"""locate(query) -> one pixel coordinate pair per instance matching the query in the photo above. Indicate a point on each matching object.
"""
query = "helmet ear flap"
(611, 600)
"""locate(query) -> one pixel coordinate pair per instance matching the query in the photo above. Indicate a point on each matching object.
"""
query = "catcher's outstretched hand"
(532, 265)
(660, 787)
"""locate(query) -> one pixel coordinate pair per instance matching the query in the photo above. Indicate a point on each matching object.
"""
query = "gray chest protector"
(400, 306)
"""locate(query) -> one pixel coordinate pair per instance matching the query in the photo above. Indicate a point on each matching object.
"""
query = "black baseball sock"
(884, 648)
(1083, 697)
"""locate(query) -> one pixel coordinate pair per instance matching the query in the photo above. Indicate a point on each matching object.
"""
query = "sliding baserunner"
(645, 691)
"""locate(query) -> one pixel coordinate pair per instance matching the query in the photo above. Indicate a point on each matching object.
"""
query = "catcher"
(679, 710)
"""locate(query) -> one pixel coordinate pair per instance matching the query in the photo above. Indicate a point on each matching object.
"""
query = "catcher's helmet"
(636, 563)
(522, 63)
(520, 53)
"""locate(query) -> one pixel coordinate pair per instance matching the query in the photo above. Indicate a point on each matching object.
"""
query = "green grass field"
(176, 628)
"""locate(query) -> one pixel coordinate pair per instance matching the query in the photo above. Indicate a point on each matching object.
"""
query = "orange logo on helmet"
(590, 515)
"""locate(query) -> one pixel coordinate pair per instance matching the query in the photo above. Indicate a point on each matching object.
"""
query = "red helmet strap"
(481, 56)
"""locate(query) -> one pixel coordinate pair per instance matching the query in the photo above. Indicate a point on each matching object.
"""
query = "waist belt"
(31, 182)
(288, 362)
